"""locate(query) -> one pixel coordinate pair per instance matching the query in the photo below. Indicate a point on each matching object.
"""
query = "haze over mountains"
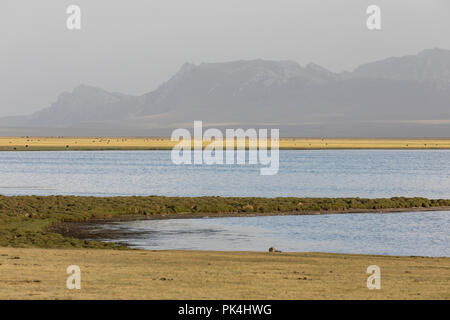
(396, 97)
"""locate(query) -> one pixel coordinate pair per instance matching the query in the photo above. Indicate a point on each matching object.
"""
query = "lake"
(309, 173)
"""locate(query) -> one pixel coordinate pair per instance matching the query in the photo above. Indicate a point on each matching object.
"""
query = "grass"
(25, 220)
(112, 274)
(164, 143)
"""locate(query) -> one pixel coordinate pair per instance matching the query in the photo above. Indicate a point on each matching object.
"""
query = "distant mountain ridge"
(404, 96)
(431, 65)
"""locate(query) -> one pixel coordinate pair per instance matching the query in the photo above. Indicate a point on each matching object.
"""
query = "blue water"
(330, 173)
(406, 234)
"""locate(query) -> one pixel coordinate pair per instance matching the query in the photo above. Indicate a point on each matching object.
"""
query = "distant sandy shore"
(135, 274)
(164, 143)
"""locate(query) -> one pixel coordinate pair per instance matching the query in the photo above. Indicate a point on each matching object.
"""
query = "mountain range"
(405, 96)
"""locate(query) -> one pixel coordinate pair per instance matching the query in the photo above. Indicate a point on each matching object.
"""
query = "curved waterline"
(400, 234)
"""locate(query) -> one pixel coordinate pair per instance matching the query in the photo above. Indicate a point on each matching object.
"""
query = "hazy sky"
(132, 46)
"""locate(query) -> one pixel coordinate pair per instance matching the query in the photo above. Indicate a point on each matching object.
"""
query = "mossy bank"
(25, 220)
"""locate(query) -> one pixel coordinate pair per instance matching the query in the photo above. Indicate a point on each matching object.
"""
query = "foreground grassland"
(25, 220)
(107, 274)
(33, 260)
(114, 143)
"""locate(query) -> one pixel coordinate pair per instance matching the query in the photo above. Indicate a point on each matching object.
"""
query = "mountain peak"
(186, 67)
(408, 88)
(83, 89)
(435, 52)
(431, 65)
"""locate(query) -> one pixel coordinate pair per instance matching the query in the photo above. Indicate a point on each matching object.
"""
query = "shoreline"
(262, 214)
(169, 149)
(30, 143)
(43, 221)
(83, 230)
(38, 271)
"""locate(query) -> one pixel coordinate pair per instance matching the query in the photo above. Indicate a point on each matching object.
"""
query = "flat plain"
(164, 143)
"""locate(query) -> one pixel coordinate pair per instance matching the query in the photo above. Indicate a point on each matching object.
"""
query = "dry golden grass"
(133, 274)
(127, 143)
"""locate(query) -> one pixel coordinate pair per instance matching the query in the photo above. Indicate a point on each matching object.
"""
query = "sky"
(133, 46)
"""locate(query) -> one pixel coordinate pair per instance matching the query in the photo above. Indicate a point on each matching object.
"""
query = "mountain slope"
(431, 65)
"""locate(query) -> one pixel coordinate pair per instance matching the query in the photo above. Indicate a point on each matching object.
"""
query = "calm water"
(417, 234)
(363, 173)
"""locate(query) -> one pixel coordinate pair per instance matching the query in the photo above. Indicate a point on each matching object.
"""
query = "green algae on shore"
(25, 220)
